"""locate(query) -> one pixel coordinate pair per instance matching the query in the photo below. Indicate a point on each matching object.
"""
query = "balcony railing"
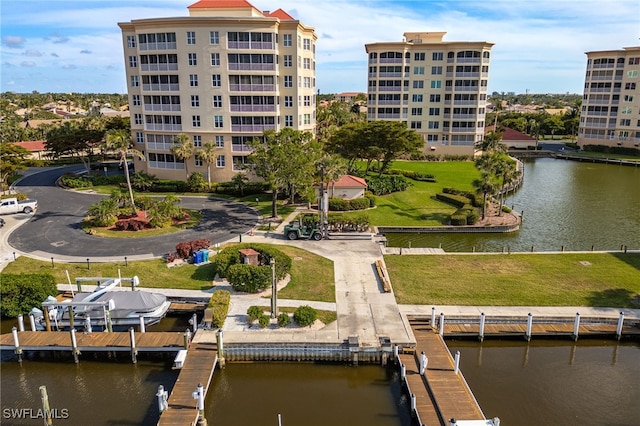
(390, 74)
(390, 88)
(157, 46)
(161, 87)
(252, 87)
(159, 67)
(389, 102)
(166, 165)
(252, 108)
(263, 45)
(162, 126)
(162, 107)
(390, 60)
(252, 127)
(468, 74)
(252, 67)
(159, 146)
(238, 147)
(388, 116)
(467, 88)
(463, 129)
(463, 102)
(468, 60)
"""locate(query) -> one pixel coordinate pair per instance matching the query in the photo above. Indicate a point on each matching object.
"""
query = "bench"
(386, 284)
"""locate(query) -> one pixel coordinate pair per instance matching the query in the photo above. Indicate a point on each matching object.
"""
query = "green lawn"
(311, 275)
(417, 205)
(607, 280)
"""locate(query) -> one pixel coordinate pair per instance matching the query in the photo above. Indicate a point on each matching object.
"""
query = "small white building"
(347, 187)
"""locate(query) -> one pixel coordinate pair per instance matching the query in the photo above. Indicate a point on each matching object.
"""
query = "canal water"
(565, 203)
(591, 382)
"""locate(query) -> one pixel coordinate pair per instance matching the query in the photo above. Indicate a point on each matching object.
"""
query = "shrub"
(75, 181)
(372, 199)
(253, 313)
(305, 315)
(338, 204)
(21, 292)
(196, 182)
(423, 177)
(472, 217)
(459, 219)
(20, 196)
(143, 203)
(230, 256)
(506, 209)
(386, 184)
(186, 249)
(219, 305)
(453, 199)
(284, 319)
(264, 321)
(249, 278)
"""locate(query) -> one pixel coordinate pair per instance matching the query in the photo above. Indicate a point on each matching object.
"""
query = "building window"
(215, 59)
(307, 82)
(418, 56)
(418, 70)
(214, 37)
(288, 120)
(191, 37)
(286, 40)
(307, 44)
(217, 101)
(434, 111)
(197, 141)
(288, 101)
(436, 84)
(418, 84)
(288, 61)
(219, 141)
(136, 100)
(436, 56)
(139, 137)
(628, 98)
(198, 161)
(626, 110)
(220, 161)
(629, 86)
(632, 73)
(133, 61)
(434, 124)
(195, 101)
(625, 122)
(193, 60)
(135, 81)
(195, 120)
(307, 64)
(193, 80)
(288, 81)
(137, 119)
(131, 41)
(486, 55)
(307, 119)
(217, 121)
(434, 98)
(416, 111)
(436, 70)
(215, 80)
(307, 101)
(416, 98)
(416, 124)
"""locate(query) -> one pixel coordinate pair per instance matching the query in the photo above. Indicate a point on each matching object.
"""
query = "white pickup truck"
(12, 205)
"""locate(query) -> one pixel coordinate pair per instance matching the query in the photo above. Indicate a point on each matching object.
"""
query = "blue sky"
(75, 46)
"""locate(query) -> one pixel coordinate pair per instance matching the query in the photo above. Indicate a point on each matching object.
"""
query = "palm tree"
(120, 142)
(239, 181)
(506, 169)
(487, 183)
(208, 154)
(183, 150)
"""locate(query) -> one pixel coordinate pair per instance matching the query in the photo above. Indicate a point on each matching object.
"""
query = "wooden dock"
(99, 341)
(198, 369)
(441, 394)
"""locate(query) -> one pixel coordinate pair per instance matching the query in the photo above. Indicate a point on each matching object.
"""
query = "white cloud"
(13, 42)
(27, 64)
(69, 67)
(86, 52)
(32, 52)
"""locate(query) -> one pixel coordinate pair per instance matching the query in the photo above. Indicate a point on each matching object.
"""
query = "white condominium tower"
(438, 88)
(611, 101)
(223, 74)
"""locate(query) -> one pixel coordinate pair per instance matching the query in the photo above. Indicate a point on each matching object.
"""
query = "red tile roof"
(510, 134)
(282, 15)
(348, 181)
(220, 4)
(31, 146)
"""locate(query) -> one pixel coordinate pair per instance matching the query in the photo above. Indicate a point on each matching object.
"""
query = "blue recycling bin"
(205, 255)
(197, 257)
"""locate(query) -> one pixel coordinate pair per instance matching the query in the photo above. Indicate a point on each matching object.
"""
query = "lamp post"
(274, 289)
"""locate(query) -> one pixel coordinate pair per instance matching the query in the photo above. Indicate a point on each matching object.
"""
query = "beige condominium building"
(438, 88)
(611, 101)
(224, 74)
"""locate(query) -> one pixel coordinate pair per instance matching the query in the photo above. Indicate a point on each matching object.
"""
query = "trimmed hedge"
(249, 278)
(219, 305)
(284, 319)
(339, 223)
(305, 315)
(476, 199)
(386, 184)
(456, 200)
(253, 313)
(338, 204)
(620, 150)
(422, 177)
(21, 292)
(230, 256)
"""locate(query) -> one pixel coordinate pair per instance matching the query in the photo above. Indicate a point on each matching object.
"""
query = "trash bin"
(205, 255)
(195, 257)
(198, 257)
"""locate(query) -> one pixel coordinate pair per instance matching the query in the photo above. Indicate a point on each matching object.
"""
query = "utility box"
(249, 257)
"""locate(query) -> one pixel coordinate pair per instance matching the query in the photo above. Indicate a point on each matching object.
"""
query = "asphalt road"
(55, 227)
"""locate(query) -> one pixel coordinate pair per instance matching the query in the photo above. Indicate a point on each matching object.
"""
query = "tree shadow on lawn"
(614, 297)
(631, 259)
(206, 274)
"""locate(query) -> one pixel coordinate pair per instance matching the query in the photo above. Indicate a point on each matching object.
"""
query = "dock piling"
(44, 397)
(71, 317)
(456, 362)
(441, 330)
(74, 345)
(134, 350)
(413, 402)
(32, 322)
(220, 342)
(433, 317)
(620, 324)
(403, 371)
(47, 320)
(194, 322)
(576, 327)
(20, 323)
(529, 326)
(481, 331)
(162, 395)
(143, 328)
(199, 396)
(16, 343)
